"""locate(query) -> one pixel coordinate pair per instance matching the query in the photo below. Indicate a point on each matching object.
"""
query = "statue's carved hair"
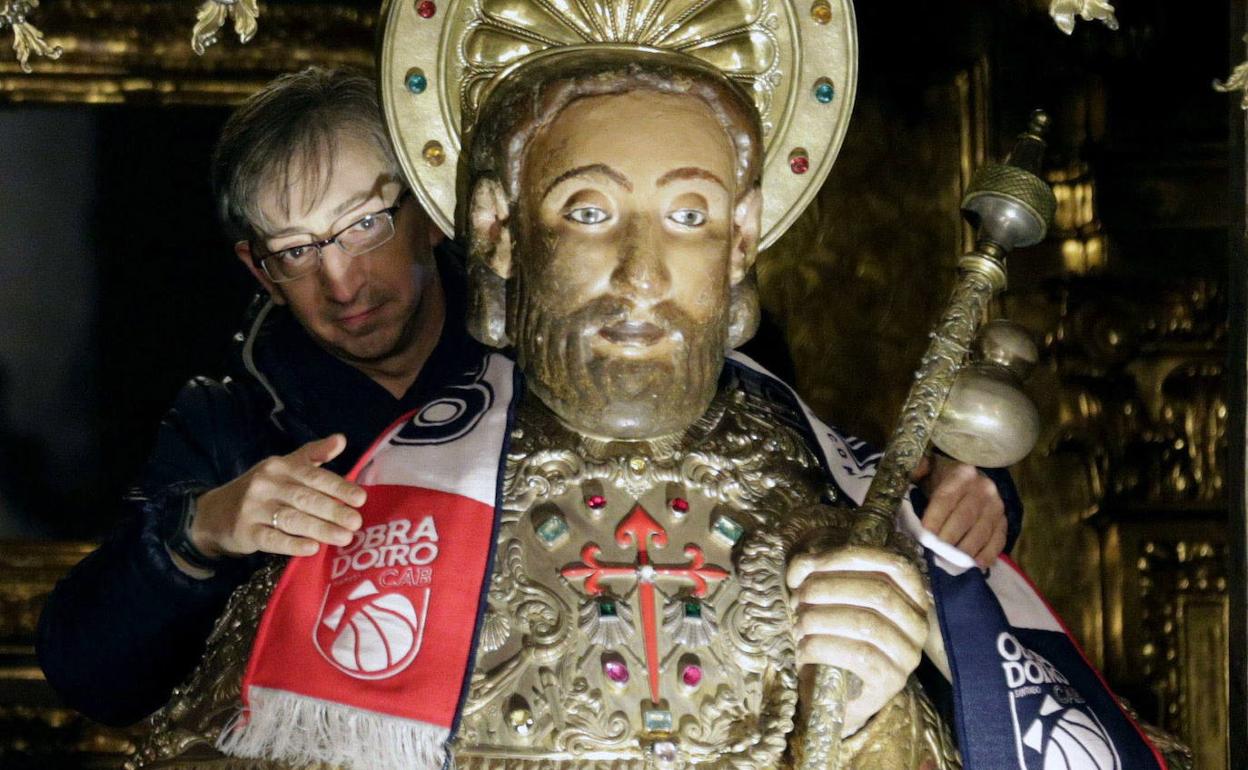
(517, 110)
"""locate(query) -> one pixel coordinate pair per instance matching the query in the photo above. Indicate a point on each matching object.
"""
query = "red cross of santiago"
(639, 529)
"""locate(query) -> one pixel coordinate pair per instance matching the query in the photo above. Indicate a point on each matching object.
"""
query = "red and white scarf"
(362, 655)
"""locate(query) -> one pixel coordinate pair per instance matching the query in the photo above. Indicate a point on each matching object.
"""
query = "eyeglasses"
(360, 237)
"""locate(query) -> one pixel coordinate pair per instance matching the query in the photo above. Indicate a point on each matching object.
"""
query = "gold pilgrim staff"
(1011, 207)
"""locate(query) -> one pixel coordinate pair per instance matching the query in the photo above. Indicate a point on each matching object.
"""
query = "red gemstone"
(691, 675)
(426, 9)
(616, 671)
(596, 501)
(680, 505)
(800, 164)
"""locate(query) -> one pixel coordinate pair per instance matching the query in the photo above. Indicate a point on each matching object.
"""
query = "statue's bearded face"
(622, 264)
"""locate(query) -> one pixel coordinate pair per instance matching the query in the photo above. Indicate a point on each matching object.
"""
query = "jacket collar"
(307, 392)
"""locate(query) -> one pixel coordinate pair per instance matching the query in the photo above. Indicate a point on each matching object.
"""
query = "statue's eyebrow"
(690, 172)
(592, 168)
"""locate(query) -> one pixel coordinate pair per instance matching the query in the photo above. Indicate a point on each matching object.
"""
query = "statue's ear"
(489, 239)
(743, 312)
(747, 225)
(489, 263)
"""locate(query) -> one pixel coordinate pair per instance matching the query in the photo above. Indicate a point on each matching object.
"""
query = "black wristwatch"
(179, 540)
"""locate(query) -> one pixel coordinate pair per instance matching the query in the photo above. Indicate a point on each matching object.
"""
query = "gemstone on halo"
(417, 82)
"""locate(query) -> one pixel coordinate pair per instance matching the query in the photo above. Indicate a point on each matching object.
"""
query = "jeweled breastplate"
(637, 615)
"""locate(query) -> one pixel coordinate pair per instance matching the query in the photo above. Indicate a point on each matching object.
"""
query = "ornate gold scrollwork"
(1065, 11)
(212, 16)
(27, 39)
(1238, 81)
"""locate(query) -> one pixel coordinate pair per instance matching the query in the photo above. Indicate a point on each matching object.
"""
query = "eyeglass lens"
(358, 238)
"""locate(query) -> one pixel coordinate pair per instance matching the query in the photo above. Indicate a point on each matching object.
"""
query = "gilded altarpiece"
(1125, 513)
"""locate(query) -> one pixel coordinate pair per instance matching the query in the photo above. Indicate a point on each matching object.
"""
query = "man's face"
(363, 309)
(622, 252)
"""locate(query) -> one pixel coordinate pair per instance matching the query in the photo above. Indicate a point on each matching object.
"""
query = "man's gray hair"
(285, 133)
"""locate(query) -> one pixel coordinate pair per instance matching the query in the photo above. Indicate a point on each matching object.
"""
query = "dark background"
(116, 285)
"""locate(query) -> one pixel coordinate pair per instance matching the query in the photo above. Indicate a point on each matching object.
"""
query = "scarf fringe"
(302, 731)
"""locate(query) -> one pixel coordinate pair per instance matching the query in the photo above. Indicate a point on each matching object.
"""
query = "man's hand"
(864, 610)
(285, 504)
(964, 508)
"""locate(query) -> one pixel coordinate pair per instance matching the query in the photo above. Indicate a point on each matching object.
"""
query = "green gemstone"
(693, 609)
(417, 83)
(727, 529)
(657, 720)
(552, 530)
(606, 608)
(824, 93)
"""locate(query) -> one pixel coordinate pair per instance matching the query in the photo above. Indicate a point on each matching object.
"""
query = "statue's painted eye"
(588, 215)
(688, 217)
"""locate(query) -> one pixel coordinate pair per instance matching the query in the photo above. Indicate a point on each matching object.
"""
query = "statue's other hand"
(864, 610)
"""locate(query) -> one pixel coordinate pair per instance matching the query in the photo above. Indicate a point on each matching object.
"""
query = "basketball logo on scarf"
(363, 630)
(1051, 730)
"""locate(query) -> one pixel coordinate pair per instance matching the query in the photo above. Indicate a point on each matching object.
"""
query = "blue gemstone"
(727, 529)
(417, 83)
(552, 531)
(824, 92)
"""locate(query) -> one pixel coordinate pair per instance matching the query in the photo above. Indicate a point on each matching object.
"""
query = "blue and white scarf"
(1025, 695)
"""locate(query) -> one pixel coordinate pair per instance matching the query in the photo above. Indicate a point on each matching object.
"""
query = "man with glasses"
(363, 317)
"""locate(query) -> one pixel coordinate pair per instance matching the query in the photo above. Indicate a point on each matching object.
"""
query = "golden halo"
(797, 58)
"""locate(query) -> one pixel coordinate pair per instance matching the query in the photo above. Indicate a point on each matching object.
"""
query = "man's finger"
(960, 521)
(272, 540)
(295, 522)
(979, 534)
(996, 544)
(920, 473)
(322, 450)
(322, 506)
(944, 500)
(330, 483)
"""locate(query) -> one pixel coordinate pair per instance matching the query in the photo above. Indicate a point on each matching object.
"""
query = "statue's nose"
(642, 269)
